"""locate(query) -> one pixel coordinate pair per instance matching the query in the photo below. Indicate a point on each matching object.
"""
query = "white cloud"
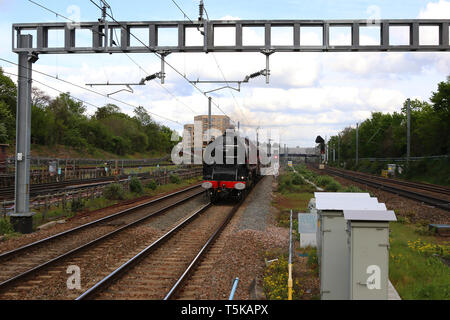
(436, 10)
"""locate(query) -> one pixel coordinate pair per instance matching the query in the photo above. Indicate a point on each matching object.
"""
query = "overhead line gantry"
(102, 42)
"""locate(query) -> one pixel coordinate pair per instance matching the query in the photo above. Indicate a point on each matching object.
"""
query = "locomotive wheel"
(242, 195)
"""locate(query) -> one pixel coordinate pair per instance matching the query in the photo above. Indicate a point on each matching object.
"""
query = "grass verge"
(417, 266)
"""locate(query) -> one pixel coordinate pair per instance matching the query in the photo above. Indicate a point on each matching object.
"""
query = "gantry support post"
(163, 55)
(22, 218)
(267, 53)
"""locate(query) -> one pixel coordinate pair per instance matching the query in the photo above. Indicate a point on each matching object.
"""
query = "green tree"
(7, 121)
(441, 98)
(8, 92)
(106, 111)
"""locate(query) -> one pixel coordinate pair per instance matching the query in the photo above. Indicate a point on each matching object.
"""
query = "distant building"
(299, 151)
(221, 123)
(190, 128)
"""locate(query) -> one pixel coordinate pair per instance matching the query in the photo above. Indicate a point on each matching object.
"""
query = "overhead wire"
(215, 59)
(160, 56)
(50, 87)
(58, 14)
(90, 90)
(145, 71)
(106, 96)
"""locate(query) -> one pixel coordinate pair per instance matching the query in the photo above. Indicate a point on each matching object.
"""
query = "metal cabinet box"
(368, 242)
(334, 256)
(332, 249)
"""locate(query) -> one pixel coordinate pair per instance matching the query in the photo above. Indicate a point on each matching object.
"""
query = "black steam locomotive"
(231, 166)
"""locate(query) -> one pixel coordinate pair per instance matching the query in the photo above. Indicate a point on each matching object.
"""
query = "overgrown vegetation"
(313, 261)
(275, 281)
(5, 226)
(152, 185)
(136, 186)
(418, 264)
(63, 121)
(174, 178)
(326, 182)
(77, 205)
(384, 136)
(114, 191)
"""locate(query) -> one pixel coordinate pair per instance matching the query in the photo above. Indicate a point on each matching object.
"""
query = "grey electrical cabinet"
(334, 256)
(368, 240)
(332, 249)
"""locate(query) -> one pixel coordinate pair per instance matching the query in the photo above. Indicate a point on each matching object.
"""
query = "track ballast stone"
(255, 214)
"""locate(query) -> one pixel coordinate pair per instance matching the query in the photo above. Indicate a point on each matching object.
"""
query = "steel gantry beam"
(101, 31)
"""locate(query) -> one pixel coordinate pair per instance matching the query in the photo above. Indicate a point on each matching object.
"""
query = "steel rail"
(92, 223)
(436, 202)
(194, 263)
(112, 277)
(20, 276)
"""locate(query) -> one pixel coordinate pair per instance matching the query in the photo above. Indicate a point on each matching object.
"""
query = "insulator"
(200, 11)
(104, 13)
(256, 74)
(151, 77)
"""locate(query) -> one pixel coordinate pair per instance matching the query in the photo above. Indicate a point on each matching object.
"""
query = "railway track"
(416, 185)
(43, 188)
(428, 194)
(28, 268)
(161, 269)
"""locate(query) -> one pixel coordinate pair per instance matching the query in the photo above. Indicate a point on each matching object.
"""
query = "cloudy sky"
(309, 94)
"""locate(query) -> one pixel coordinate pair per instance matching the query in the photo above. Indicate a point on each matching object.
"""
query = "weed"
(173, 178)
(77, 205)
(136, 186)
(5, 226)
(114, 191)
(275, 282)
(152, 185)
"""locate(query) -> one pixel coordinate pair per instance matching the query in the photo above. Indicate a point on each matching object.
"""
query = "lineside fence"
(49, 170)
(62, 199)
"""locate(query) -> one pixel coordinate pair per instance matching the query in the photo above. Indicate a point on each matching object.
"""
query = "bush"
(152, 185)
(333, 186)
(136, 186)
(114, 191)
(173, 178)
(297, 180)
(77, 205)
(5, 226)
(323, 181)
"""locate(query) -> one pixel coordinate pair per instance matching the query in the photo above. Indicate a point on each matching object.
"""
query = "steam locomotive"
(231, 167)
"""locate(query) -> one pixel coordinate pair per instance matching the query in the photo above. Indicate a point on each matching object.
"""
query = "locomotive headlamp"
(207, 185)
(239, 186)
